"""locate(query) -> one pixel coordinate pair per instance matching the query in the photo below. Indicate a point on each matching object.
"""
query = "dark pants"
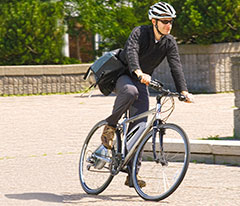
(132, 95)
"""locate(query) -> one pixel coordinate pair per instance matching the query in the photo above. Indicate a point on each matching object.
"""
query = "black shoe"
(129, 182)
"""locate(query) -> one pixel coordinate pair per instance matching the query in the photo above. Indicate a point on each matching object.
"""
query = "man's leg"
(139, 106)
(127, 93)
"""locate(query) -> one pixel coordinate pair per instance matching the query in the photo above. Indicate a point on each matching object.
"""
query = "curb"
(215, 151)
(207, 151)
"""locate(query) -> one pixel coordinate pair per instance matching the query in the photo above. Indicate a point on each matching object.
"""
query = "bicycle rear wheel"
(164, 169)
(94, 164)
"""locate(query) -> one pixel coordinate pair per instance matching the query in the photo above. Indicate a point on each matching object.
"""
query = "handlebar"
(158, 86)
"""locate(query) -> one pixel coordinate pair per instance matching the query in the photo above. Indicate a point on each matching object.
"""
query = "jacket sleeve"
(176, 66)
(132, 50)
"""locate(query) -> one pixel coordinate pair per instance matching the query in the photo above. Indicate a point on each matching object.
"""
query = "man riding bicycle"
(144, 50)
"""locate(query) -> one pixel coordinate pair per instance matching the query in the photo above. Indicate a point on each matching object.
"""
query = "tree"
(31, 32)
(197, 22)
(206, 22)
(112, 19)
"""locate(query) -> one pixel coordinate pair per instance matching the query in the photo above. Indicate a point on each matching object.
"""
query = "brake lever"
(161, 84)
(155, 85)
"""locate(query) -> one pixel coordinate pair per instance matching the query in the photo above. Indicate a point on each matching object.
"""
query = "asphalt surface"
(41, 138)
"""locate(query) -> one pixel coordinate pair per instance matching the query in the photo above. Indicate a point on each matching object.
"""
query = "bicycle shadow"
(45, 197)
(75, 198)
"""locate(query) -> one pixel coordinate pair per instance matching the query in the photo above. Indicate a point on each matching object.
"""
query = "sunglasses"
(166, 21)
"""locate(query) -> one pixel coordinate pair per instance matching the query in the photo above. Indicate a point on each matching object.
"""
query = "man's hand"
(144, 78)
(189, 96)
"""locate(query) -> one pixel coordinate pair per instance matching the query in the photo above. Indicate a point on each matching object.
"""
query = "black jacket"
(142, 52)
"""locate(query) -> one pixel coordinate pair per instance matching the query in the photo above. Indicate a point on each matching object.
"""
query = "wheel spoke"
(170, 171)
(95, 162)
(165, 181)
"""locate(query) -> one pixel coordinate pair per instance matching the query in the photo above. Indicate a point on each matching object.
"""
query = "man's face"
(164, 25)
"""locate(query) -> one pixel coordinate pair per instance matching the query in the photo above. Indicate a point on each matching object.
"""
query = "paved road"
(41, 137)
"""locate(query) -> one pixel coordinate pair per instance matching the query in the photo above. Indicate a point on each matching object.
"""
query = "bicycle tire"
(177, 158)
(90, 172)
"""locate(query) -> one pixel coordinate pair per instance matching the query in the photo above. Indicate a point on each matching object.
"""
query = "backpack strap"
(87, 89)
(87, 74)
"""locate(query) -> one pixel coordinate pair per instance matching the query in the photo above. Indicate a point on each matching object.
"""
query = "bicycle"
(149, 144)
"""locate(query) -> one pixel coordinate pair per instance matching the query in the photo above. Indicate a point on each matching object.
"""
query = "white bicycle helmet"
(161, 10)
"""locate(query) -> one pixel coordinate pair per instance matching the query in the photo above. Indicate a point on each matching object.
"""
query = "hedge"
(197, 22)
(207, 22)
(31, 32)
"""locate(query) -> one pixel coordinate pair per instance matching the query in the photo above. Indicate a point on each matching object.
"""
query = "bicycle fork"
(161, 158)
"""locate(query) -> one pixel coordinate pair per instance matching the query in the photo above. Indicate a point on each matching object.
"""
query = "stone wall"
(207, 68)
(18, 80)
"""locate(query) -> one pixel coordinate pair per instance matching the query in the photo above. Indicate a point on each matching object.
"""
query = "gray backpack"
(107, 69)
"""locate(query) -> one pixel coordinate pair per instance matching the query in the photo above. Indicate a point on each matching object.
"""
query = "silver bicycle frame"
(156, 115)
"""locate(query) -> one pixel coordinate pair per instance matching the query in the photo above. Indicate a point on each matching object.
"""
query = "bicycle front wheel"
(165, 159)
(94, 164)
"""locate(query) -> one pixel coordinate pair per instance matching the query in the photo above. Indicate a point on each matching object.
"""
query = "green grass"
(217, 137)
(86, 90)
(39, 94)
